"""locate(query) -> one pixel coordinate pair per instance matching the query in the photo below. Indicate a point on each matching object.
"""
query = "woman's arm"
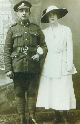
(69, 50)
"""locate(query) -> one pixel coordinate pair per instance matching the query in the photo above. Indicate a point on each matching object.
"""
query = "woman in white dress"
(56, 86)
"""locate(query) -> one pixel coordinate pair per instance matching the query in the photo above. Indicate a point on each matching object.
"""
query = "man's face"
(23, 14)
(53, 18)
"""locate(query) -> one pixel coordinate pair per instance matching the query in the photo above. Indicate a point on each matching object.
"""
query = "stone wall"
(5, 21)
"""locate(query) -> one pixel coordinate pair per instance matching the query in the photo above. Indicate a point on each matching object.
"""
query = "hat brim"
(28, 4)
(60, 13)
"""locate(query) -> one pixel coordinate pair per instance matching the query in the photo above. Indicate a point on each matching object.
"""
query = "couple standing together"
(32, 56)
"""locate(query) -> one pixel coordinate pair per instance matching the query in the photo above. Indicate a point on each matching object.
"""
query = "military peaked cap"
(22, 4)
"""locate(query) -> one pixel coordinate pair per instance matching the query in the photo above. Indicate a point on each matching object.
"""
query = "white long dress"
(56, 86)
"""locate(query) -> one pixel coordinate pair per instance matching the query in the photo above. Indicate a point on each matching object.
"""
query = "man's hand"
(10, 74)
(35, 57)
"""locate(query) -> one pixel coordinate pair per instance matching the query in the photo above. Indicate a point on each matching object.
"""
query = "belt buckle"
(25, 50)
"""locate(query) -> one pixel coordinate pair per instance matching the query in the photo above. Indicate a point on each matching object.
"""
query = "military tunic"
(21, 44)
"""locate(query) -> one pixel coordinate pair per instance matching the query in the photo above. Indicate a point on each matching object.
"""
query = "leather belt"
(23, 50)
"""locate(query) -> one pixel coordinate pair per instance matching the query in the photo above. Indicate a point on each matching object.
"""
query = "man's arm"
(8, 50)
(42, 44)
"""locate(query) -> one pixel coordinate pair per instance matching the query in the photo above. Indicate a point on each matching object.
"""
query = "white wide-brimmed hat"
(59, 11)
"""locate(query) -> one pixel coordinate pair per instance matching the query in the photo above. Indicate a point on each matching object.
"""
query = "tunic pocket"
(35, 38)
(16, 37)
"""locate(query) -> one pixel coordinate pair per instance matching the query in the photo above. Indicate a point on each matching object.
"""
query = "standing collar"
(24, 23)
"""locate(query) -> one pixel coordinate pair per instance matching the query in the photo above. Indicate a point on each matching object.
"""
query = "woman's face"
(53, 19)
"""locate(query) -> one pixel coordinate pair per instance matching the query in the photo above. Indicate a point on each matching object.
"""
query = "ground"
(8, 113)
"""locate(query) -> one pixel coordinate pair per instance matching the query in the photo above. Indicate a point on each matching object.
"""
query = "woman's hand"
(39, 50)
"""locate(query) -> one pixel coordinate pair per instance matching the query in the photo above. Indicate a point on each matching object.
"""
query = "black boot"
(32, 119)
(55, 121)
(58, 117)
(64, 117)
(22, 119)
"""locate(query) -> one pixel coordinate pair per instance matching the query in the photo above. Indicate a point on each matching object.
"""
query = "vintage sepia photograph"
(39, 62)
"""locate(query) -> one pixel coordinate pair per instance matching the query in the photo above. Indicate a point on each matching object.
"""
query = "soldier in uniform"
(25, 51)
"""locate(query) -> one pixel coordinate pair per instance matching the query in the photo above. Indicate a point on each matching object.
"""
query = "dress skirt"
(57, 93)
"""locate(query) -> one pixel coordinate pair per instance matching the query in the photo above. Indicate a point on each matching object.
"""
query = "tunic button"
(24, 26)
(15, 56)
(25, 32)
(26, 39)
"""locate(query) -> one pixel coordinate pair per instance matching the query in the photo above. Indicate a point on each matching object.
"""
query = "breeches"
(26, 85)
